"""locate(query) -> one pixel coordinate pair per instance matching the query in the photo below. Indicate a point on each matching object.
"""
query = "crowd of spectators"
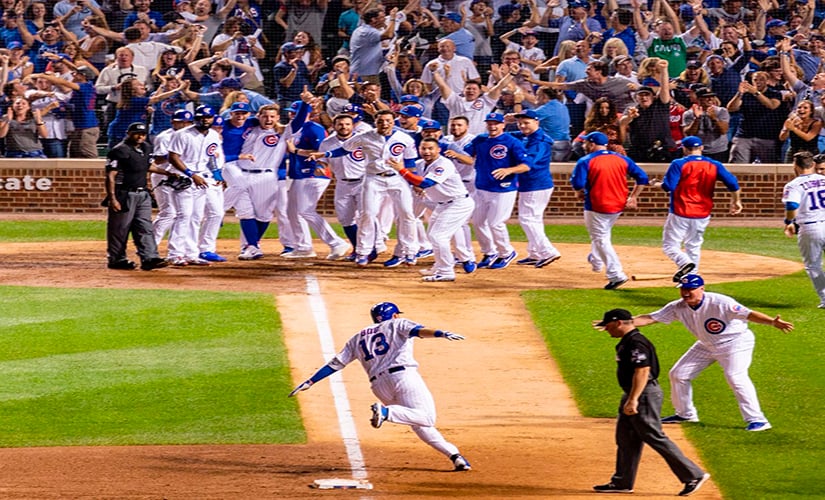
(746, 76)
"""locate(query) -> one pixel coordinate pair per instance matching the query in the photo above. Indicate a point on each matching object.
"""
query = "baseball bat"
(649, 277)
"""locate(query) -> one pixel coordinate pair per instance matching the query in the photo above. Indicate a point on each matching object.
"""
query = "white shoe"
(300, 254)
(426, 272)
(197, 261)
(339, 252)
(251, 252)
(177, 261)
(437, 277)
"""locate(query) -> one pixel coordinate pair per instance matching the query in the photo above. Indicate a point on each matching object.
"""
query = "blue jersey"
(539, 147)
(492, 153)
(233, 137)
(311, 135)
(164, 110)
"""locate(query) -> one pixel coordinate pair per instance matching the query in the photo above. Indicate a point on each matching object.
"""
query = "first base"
(341, 484)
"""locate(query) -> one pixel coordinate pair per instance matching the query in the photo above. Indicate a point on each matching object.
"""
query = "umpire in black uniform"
(639, 412)
(129, 201)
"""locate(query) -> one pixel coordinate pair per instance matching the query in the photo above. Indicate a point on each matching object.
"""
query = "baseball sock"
(250, 231)
(262, 227)
(352, 233)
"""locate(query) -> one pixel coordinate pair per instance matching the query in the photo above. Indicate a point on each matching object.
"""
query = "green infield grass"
(116, 367)
(788, 371)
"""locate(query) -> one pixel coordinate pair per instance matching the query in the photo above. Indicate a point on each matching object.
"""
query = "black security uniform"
(131, 161)
(633, 431)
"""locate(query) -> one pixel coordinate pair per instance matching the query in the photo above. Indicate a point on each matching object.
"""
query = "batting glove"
(452, 336)
(304, 386)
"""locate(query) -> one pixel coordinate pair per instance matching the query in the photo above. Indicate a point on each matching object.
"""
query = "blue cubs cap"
(429, 124)
(775, 23)
(494, 117)
(410, 98)
(293, 108)
(218, 121)
(182, 115)
(691, 281)
(528, 113)
(411, 111)
(240, 106)
(289, 46)
(452, 16)
(691, 142)
(383, 311)
(14, 45)
(204, 112)
(597, 138)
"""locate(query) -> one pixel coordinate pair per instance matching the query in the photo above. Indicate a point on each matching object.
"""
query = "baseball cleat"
(611, 488)
(692, 487)
(251, 252)
(211, 257)
(125, 265)
(393, 262)
(469, 266)
(676, 419)
(686, 269)
(547, 261)
(300, 254)
(528, 261)
(615, 284)
(486, 260)
(379, 414)
(460, 463)
(339, 252)
(362, 261)
(821, 306)
(595, 265)
(287, 250)
(424, 253)
(426, 272)
(410, 261)
(197, 262)
(437, 277)
(153, 263)
(758, 426)
(503, 262)
(351, 257)
(177, 261)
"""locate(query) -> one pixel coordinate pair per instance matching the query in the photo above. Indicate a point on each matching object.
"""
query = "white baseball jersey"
(719, 319)
(475, 111)
(381, 346)
(263, 145)
(377, 149)
(197, 150)
(809, 192)
(349, 166)
(448, 185)
(467, 172)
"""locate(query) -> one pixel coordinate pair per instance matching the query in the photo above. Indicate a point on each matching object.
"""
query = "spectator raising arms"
(22, 128)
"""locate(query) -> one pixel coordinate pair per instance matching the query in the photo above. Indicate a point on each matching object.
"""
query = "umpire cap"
(137, 128)
(615, 315)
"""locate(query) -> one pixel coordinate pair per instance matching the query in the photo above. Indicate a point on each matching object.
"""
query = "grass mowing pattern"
(788, 371)
(97, 367)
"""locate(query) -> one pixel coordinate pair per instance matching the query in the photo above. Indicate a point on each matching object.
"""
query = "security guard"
(640, 408)
(129, 202)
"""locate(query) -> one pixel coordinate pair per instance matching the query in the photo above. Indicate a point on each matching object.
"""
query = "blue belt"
(260, 171)
(386, 174)
(814, 222)
(454, 199)
(352, 180)
(394, 369)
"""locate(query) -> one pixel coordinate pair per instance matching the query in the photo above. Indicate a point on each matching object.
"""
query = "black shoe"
(692, 487)
(686, 269)
(611, 488)
(153, 263)
(126, 265)
(615, 284)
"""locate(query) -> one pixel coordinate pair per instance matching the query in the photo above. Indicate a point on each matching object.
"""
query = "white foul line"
(336, 383)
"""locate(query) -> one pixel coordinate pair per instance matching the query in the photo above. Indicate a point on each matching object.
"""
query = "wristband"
(788, 221)
(438, 333)
(327, 154)
(188, 172)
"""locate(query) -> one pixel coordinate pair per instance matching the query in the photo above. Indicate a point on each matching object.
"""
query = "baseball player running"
(498, 158)
(379, 145)
(720, 325)
(804, 200)
(690, 180)
(385, 351)
(349, 175)
(453, 206)
(196, 151)
(600, 180)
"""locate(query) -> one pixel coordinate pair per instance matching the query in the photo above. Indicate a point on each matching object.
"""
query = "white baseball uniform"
(163, 194)
(256, 188)
(349, 176)
(463, 239)
(720, 325)
(452, 208)
(475, 110)
(199, 210)
(808, 192)
(385, 351)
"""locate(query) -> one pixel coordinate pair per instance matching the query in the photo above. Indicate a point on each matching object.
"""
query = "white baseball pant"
(735, 361)
(463, 238)
(165, 217)
(183, 238)
(373, 191)
(531, 205)
(445, 221)
(811, 243)
(600, 228)
(347, 199)
(303, 199)
(256, 195)
(490, 220)
(285, 234)
(682, 230)
(409, 402)
(213, 212)
(232, 175)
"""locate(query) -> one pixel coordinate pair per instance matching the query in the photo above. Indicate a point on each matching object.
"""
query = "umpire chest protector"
(132, 164)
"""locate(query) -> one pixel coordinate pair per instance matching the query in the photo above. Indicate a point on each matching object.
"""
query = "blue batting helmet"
(383, 311)
(204, 112)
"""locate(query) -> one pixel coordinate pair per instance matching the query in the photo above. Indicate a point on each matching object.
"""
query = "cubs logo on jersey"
(499, 152)
(212, 149)
(357, 155)
(397, 149)
(438, 172)
(714, 326)
(477, 105)
(270, 140)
